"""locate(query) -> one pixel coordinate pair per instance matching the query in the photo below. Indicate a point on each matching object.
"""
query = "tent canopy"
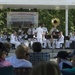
(39, 4)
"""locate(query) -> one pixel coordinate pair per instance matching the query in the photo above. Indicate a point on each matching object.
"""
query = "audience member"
(62, 60)
(46, 68)
(3, 52)
(70, 71)
(5, 66)
(38, 56)
(20, 59)
(8, 46)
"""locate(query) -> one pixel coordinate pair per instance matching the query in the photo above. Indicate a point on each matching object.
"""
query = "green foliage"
(71, 22)
(2, 18)
(45, 16)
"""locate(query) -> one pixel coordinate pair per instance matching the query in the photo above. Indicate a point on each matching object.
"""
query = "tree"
(45, 16)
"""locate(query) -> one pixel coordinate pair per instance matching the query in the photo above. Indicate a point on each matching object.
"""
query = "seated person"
(67, 72)
(67, 42)
(62, 60)
(72, 41)
(20, 59)
(3, 52)
(31, 33)
(46, 68)
(60, 40)
(8, 46)
(14, 39)
(38, 56)
(4, 65)
(70, 71)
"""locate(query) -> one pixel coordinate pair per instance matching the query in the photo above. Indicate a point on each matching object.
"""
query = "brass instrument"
(55, 22)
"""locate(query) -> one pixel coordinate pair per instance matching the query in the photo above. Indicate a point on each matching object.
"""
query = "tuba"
(55, 22)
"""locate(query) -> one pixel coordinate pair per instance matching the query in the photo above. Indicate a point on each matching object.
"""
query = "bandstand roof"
(39, 4)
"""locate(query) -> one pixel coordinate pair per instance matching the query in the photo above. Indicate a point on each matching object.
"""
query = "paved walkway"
(53, 52)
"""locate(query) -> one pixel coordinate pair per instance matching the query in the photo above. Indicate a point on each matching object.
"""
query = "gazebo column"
(66, 18)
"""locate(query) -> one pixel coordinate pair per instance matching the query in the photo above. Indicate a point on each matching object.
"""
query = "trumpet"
(55, 22)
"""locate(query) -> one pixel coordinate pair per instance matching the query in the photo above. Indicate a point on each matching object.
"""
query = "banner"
(22, 19)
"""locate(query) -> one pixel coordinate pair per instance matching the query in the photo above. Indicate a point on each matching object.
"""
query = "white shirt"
(44, 30)
(72, 38)
(15, 62)
(39, 32)
(12, 38)
(61, 39)
(31, 31)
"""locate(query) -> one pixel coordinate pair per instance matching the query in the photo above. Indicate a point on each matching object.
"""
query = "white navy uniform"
(68, 42)
(31, 31)
(3, 38)
(14, 40)
(39, 32)
(58, 42)
(44, 39)
(72, 38)
(45, 31)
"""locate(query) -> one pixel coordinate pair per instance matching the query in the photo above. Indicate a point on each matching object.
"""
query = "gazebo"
(41, 4)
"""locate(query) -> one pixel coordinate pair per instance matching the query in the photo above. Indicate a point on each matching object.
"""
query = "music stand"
(55, 36)
(47, 36)
(56, 33)
(25, 38)
(30, 36)
(67, 38)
